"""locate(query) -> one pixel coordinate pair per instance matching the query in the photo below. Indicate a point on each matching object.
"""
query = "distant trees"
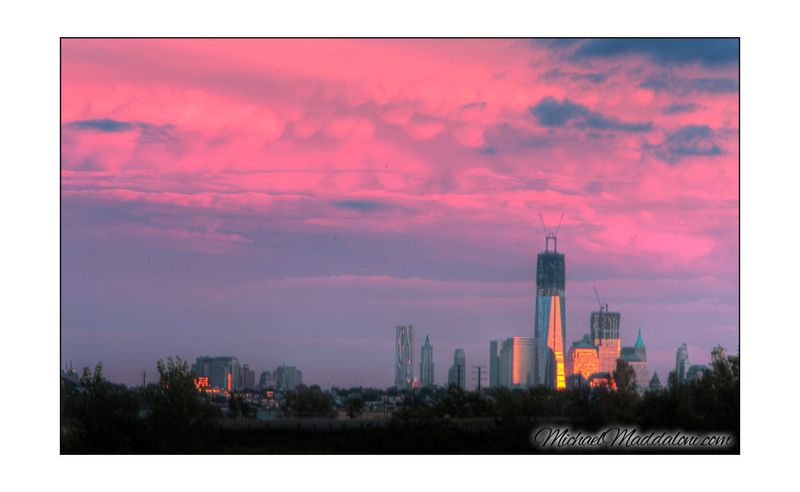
(308, 401)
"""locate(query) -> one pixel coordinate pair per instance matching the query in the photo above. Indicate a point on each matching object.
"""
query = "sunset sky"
(292, 200)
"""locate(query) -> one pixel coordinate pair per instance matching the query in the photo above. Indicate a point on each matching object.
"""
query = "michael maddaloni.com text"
(626, 438)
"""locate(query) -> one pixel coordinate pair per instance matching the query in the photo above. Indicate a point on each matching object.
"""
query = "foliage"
(305, 401)
(180, 418)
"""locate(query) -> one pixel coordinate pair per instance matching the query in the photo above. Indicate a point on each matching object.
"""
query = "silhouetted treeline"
(170, 416)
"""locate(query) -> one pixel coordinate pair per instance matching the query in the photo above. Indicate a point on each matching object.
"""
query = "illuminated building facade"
(223, 373)
(404, 357)
(426, 364)
(457, 375)
(604, 331)
(514, 362)
(636, 357)
(550, 328)
(582, 361)
(681, 363)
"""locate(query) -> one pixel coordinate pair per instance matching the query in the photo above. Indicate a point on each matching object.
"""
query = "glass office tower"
(550, 329)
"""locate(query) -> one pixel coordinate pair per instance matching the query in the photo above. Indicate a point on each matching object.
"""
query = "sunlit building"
(550, 328)
(604, 326)
(223, 373)
(514, 363)
(681, 364)
(457, 375)
(582, 361)
(426, 364)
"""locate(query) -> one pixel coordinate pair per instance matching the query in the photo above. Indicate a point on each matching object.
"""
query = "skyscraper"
(494, 365)
(287, 377)
(605, 336)
(550, 328)
(515, 362)
(458, 372)
(404, 357)
(248, 378)
(222, 372)
(582, 360)
(426, 364)
(636, 357)
(681, 364)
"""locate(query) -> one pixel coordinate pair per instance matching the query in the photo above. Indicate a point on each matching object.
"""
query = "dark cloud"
(148, 132)
(676, 108)
(102, 125)
(553, 113)
(690, 140)
(359, 205)
(709, 85)
(709, 52)
(716, 85)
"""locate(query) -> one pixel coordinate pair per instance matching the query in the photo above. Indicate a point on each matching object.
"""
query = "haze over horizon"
(293, 201)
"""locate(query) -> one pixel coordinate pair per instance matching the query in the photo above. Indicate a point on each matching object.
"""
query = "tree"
(181, 418)
(355, 406)
(306, 401)
(625, 377)
(105, 416)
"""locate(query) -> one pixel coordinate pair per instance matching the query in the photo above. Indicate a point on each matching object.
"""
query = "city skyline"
(295, 200)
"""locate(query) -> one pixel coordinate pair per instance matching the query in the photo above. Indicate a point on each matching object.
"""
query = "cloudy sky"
(293, 200)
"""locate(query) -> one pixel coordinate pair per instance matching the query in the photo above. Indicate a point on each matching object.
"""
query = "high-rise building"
(494, 365)
(426, 364)
(223, 373)
(514, 364)
(457, 375)
(287, 377)
(681, 364)
(404, 357)
(550, 328)
(582, 360)
(248, 378)
(636, 357)
(265, 380)
(605, 336)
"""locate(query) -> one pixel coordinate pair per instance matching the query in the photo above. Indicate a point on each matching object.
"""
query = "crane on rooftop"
(551, 234)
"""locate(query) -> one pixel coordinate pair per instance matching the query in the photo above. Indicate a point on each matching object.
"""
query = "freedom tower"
(550, 328)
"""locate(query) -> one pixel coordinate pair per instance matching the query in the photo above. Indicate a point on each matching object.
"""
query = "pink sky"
(293, 200)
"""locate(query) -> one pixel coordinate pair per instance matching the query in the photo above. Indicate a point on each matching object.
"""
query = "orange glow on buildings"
(583, 361)
(515, 373)
(608, 353)
(229, 382)
(201, 382)
(555, 341)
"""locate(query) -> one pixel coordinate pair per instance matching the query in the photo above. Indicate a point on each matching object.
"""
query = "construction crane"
(602, 306)
(551, 234)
